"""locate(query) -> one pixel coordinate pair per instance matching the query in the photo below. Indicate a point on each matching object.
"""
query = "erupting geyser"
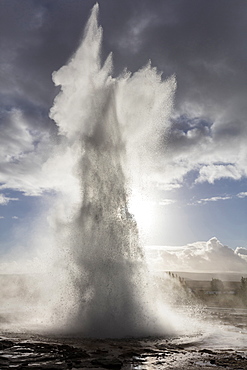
(111, 130)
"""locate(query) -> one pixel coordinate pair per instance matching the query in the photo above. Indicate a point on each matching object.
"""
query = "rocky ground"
(29, 351)
(26, 353)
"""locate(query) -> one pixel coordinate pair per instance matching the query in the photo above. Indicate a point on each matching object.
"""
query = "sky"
(201, 183)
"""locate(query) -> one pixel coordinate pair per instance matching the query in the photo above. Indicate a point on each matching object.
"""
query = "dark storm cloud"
(37, 37)
(201, 41)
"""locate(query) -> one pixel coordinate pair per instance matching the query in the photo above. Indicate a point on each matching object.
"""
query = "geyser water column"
(111, 127)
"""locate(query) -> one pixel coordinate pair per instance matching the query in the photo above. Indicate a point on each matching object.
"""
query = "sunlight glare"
(143, 209)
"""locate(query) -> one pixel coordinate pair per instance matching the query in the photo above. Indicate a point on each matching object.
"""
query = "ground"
(224, 346)
(26, 352)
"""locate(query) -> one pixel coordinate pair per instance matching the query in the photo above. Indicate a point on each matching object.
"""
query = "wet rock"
(99, 352)
(115, 355)
(206, 351)
(112, 363)
(5, 344)
(37, 355)
(129, 354)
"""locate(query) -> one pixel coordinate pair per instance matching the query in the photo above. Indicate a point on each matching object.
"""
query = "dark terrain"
(26, 352)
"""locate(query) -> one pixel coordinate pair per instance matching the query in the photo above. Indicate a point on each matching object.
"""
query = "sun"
(143, 209)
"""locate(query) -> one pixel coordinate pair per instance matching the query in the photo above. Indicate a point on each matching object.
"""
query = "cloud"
(208, 131)
(30, 157)
(242, 194)
(213, 172)
(242, 252)
(200, 256)
(23, 151)
(210, 156)
(213, 199)
(4, 200)
(221, 197)
(166, 202)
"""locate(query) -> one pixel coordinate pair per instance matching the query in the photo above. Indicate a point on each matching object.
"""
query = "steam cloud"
(110, 132)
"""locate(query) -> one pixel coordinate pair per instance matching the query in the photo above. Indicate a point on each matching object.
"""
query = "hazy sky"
(203, 178)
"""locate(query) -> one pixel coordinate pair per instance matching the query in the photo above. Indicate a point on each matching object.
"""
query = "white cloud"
(211, 141)
(199, 256)
(223, 197)
(23, 151)
(166, 186)
(16, 139)
(212, 172)
(242, 252)
(213, 199)
(30, 160)
(242, 194)
(5, 200)
(166, 202)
